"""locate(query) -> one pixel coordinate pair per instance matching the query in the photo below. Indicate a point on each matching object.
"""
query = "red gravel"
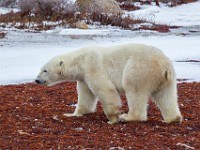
(31, 117)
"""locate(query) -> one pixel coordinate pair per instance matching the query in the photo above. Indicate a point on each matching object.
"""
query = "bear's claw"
(72, 114)
(113, 122)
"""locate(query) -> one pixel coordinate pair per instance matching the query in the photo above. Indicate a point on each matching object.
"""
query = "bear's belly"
(116, 78)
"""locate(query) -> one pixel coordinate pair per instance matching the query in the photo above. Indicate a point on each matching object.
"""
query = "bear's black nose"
(37, 81)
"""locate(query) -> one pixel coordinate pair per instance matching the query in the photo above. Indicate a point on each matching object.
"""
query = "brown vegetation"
(31, 117)
(38, 22)
(129, 6)
(2, 35)
(43, 15)
(170, 3)
(157, 27)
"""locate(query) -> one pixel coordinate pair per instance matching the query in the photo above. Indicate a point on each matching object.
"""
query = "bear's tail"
(169, 75)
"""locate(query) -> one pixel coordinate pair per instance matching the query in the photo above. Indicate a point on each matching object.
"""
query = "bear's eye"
(45, 71)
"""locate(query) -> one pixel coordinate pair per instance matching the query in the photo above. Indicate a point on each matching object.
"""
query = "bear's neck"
(73, 74)
(73, 71)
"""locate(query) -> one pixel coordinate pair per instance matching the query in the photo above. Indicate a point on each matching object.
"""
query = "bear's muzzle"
(39, 81)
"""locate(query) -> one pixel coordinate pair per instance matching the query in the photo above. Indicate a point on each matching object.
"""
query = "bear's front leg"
(110, 100)
(86, 101)
(111, 110)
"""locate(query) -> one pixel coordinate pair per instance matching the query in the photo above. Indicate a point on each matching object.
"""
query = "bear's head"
(52, 72)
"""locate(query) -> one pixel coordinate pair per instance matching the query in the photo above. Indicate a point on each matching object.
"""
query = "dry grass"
(38, 22)
(22, 20)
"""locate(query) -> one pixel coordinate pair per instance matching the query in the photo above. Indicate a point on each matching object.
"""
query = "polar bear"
(138, 71)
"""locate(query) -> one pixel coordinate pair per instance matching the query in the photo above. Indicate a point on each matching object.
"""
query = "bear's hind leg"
(86, 101)
(136, 90)
(137, 104)
(166, 100)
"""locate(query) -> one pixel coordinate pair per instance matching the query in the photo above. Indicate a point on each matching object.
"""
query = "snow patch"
(183, 15)
(23, 53)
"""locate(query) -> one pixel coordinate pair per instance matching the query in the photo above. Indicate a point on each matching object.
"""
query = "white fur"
(103, 73)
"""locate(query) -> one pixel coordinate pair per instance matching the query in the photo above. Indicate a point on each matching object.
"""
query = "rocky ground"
(31, 117)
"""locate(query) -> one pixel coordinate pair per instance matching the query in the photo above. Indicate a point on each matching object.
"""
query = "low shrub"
(113, 20)
(47, 8)
(8, 3)
(47, 14)
(2, 35)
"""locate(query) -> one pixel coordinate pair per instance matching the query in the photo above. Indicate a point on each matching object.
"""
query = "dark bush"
(47, 8)
(64, 12)
(2, 35)
(8, 3)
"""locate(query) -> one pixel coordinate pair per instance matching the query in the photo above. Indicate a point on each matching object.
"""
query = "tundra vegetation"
(48, 14)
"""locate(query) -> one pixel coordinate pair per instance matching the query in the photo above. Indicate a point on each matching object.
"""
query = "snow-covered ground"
(184, 15)
(23, 53)
(7, 10)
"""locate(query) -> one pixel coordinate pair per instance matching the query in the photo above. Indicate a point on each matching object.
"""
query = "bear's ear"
(61, 63)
